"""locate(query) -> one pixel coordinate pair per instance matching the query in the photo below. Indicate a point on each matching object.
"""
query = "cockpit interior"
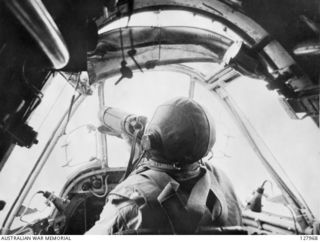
(253, 64)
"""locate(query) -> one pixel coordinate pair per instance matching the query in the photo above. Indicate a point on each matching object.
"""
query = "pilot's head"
(180, 132)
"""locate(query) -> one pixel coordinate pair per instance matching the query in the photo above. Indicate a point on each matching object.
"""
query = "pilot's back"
(173, 192)
(153, 201)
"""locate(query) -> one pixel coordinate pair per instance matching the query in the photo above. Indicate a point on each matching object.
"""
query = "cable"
(105, 192)
(136, 164)
(132, 153)
(294, 218)
(271, 184)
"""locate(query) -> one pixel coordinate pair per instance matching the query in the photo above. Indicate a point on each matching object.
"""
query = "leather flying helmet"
(180, 132)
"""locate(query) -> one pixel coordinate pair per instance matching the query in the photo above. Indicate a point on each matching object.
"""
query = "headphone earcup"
(151, 140)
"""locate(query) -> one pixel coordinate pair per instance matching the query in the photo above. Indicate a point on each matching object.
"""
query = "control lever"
(58, 202)
(132, 53)
(125, 72)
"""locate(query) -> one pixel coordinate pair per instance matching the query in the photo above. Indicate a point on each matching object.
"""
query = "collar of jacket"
(152, 164)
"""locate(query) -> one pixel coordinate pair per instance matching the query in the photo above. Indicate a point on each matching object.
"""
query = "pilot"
(173, 191)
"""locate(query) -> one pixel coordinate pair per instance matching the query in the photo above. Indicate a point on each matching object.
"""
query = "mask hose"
(137, 129)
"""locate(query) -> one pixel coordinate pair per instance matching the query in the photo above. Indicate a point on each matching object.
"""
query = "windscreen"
(232, 152)
(294, 142)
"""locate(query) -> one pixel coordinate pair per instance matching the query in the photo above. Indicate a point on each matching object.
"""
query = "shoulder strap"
(220, 195)
(199, 192)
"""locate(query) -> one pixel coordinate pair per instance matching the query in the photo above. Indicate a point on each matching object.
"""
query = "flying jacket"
(136, 203)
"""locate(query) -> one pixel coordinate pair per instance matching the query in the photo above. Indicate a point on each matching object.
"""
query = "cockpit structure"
(252, 64)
